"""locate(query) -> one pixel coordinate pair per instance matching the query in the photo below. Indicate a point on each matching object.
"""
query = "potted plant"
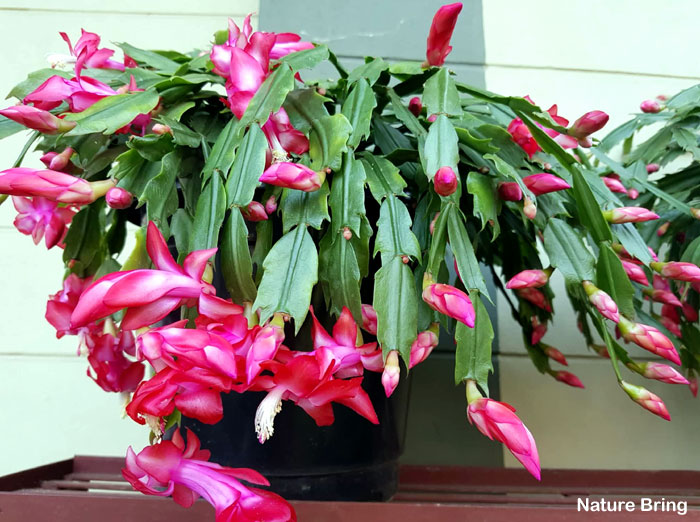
(377, 198)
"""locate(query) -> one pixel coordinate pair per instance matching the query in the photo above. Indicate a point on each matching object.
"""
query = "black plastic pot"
(350, 460)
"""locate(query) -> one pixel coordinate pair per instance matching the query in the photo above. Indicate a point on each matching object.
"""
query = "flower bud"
(159, 128)
(588, 124)
(535, 297)
(118, 198)
(554, 354)
(538, 331)
(450, 301)
(648, 338)
(391, 373)
(445, 181)
(650, 106)
(544, 183)
(529, 208)
(432, 223)
(509, 191)
(423, 345)
(37, 119)
(662, 296)
(629, 215)
(614, 185)
(659, 372)
(690, 312)
(693, 384)
(369, 319)
(678, 270)
(602, 301)
(568, 378)
(529, 279)
(646, 399)
(254, 212)
(59, 162)
(635, 272)
(653, 167)
(293, 175)
(271, 205)
(415, 106)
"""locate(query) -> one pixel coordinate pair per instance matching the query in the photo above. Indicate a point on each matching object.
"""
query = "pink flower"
(52, 185)
(635, 272)
(111, 369)
(646, 399)
(650, 106)
(529, 279)
(544, 183)
(340, 351)
(648, 338)
(60, 305)
(171, 468)
(568, 378)
(497, 420)
(292, 175)
(614, 185)
(555, 355)
(149, 295)
(678, 270)
(391, 373)
(196, 394)
(88, 53)
(438, 45)
(222, 317)
(602, 301)
(303, 380)
(283, 137)
(255, 211)
(589, 123)
(537, 298)
(37, 119)
(40, 217)
(629, 215)
(118, 198)
(662, 372)
(423, 345)
(445, 181)
(523, 137)
(450, 301)
(415, 106)
(369, 319)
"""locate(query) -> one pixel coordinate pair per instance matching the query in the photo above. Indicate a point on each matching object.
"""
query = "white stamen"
(155, 424)
(270, 406)
(60, 61)
(279, 156)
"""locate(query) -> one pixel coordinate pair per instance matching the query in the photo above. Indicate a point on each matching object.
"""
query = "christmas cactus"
(386, 195)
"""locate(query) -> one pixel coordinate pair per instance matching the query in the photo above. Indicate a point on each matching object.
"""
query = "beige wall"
(50, 409)
(589, 55)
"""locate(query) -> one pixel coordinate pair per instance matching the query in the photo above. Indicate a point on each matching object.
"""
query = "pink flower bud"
(369, 319)
(693, 384)
(678, 270)
(653, 167)
(450, 301)
(347, 234)
(601, 350)
(535, 297)
(568, 378)
(293, 175)
(635, 272)
(415, 106)
(509, 191)
(661, 372)
(671, 326)
(391, 373)
(254, 212)
(588, 124)
(52, 185)
(538, 331)
(432, 118)
(46, 158)
(544, 183)
(646, 399)
(663, 229)
(629, 215)
(689, 311)
(438, 44)
(633, 193)
(602, 301)
(117, 197)
(159, 128)
(271, 205)
(648, 338)
(445, 181)
(614, 185)
(662, 296)
(497, 420)
(432, 223)
(37, 119)
(423, 345)
(59, 162)
(529, 279)
(555, 355)
(529, 208)
(650, 106)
